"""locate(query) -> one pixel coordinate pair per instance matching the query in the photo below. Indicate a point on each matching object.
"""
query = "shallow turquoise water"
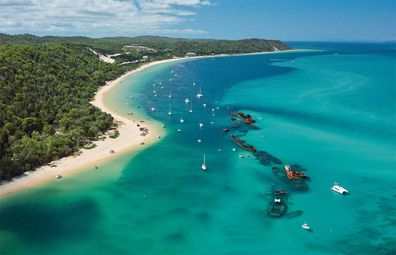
(331, 111)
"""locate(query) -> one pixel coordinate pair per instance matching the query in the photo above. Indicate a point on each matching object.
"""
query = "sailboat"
(199, 95)
(190, 111)
(170, 111)
(203, 166)
(187, 101)
(152, 109)
(170, 94)
(181, 120)
(201, 125)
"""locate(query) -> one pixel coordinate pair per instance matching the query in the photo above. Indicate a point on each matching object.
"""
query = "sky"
(289, 20)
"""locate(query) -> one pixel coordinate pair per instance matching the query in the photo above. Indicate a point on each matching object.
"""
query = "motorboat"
(187, 101)
(306, 227)
(181, 120)
(152, 109)
(201, 125)
(337, 188)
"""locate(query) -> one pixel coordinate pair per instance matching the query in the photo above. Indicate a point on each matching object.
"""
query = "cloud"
(98, 17)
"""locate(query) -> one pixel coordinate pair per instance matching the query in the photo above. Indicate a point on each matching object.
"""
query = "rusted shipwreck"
(242, 143)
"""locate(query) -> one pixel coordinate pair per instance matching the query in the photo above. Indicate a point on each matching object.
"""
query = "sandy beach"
(129, 140)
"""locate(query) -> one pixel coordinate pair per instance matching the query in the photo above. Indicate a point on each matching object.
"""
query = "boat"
(199, 140)
(199, 94)
(203, 166)
(179, 130)
(201, 125)
(337, 188)
(59, 176)
(294, 175)
(306, 227)
(181, 120)
(152, 109)
(187, 101)
(170, 112)
(204, 105)
(243, 144)
(190, 110)
(170, 94)
(277, 206)
(246, 118)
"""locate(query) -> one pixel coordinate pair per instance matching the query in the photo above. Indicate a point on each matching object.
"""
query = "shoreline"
(129, 140)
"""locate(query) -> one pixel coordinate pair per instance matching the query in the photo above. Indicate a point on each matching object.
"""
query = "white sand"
(129, 141)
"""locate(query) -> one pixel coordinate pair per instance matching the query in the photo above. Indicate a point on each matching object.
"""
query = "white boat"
(193, 83)
(199, 140)
(199, 94)
(187, 101)
(204, 105)
(337, 188)
(190, 110)
(170, 94)
(203, 166)
(59, 176)
(181, 120)
(152, 109)
(170, 111)
(306, 227)
(201, 125)
(179, 130)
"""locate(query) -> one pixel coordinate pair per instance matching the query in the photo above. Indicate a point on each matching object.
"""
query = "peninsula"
(49, 124)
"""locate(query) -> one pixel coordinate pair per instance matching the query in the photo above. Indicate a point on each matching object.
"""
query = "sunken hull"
(243, 144)
(276, 209)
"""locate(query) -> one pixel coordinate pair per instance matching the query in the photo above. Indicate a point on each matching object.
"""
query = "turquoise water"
(331, 111)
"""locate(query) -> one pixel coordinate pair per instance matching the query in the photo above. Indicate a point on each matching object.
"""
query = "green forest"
(45, 112)
(47, 83)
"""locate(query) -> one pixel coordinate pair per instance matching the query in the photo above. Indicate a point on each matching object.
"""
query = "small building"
(191, 54)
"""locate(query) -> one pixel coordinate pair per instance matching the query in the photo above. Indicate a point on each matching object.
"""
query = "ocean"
(330, 109)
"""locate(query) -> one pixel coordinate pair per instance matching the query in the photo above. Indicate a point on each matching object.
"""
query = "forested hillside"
(45, 112)
(46, 84)
(164, 46)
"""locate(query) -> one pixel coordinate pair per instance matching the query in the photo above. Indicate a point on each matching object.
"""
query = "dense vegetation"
(46, 84)
(45, 112)
(166, 47)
